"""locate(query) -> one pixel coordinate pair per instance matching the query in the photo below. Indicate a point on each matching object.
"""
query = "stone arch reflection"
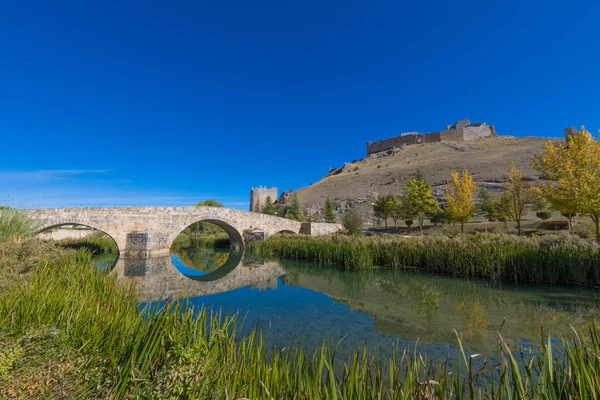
(157, 278)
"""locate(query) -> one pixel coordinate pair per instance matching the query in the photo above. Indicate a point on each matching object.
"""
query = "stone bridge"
(157, 278)
(150, 231)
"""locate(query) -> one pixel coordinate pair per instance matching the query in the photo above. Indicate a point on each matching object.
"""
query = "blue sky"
(168, 103)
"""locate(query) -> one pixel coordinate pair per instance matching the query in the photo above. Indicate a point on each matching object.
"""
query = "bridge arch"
(55, 225)
(285, 232)
(235, 236)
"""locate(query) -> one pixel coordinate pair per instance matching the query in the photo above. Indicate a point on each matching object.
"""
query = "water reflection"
(158, 278)
(308, 303)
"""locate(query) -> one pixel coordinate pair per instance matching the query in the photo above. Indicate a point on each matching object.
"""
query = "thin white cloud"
(46, 174)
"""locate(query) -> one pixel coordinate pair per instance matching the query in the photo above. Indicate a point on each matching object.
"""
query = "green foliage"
(440, 218)
(293, 211)
(269, 207)
(418, 201)
(85, 338)
(543, 215)
(488, 205)
(203, 228)
(496, 257)
(384, 207)
(209, 203)
(328, 212)
(16, 225)
(352, 222)
(408, 222)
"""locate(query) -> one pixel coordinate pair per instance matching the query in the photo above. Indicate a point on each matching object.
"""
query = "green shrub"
(352, 222)
(543, 215)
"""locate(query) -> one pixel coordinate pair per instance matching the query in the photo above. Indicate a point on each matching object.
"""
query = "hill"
(358, 183)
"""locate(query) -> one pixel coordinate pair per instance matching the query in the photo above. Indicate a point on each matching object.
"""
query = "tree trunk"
(596, 219)
(518, 226)
(570, 219)
(462, 228)
(385, 220)
(421, 225)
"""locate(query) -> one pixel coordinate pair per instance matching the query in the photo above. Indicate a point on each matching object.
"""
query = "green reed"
(16, 225)
(97, 243)
(114, 351)
(556, 259)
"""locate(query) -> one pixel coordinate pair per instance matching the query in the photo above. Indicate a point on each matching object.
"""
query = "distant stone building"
(571, 132)
(259, 195)
(461, 131)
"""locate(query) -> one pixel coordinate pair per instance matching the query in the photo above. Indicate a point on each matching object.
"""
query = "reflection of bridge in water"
(157, 278)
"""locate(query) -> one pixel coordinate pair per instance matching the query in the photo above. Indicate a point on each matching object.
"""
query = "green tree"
(352, 222)
(459, 197)
(269, 207)
(398, 211)
(384, 207)
(503, 207)
(328, 212)
(487, 205)
(418, 201)
(294, 212)
(209, 203)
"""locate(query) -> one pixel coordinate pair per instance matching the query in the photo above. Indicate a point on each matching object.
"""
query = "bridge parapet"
(151, 230)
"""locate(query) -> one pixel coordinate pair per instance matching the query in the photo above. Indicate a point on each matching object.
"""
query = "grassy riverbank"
(70, 330)
(557, 259)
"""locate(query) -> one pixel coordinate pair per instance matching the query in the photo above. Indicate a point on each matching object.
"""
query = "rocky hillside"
(358, 183)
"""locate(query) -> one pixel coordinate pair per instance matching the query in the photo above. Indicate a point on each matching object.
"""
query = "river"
(386, 310)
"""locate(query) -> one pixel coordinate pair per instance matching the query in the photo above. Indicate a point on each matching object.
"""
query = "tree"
(269, 207)
(418, 201)
(352, 222)
(520, 193)
(440, 218)
(540, 204)
(459, 197)
(328, 212)
(503, 208)
(487, 205)
(574, 169)
(398, 212)
(294, 212)
(209, 203)
(384, 207)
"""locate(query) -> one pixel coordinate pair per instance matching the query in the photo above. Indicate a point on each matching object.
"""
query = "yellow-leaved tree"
(574, 172)
(520, 194)
(459, 197)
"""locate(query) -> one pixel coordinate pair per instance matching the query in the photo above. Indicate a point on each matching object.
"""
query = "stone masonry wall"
(259, 195)
(151, 230)
(475, 132)
(460, 131)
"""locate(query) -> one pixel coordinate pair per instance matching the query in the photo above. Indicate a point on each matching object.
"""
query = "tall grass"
(556, 259)
(16, 225)
(97, 243)
(113, 351)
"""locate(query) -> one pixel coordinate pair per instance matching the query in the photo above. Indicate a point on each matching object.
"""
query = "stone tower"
(570, 132)
(259, 195)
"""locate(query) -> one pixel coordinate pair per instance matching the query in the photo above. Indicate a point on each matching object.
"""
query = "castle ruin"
(259, 195)
(461, 131)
